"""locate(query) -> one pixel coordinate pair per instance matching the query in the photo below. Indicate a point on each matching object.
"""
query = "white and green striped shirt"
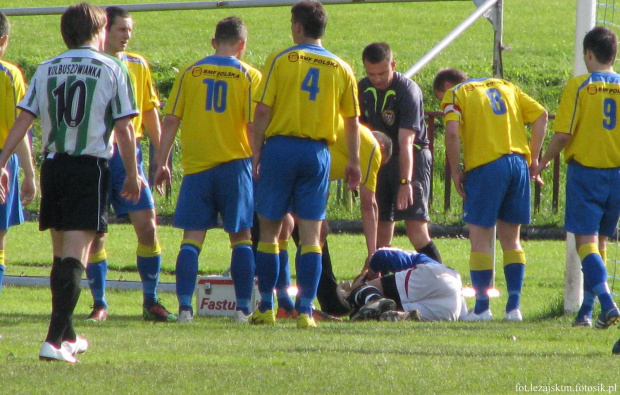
(78, 95)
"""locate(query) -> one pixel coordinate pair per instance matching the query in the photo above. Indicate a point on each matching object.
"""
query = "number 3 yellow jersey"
(306, 87)
(492, 115)
(213, 97)
(589, 112)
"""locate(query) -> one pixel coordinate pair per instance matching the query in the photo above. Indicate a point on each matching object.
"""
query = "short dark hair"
(312, 16)
(112, 12)
(5, 26)
(386, 143)
(80, 23)
(453, 76)
(230, 30)
(376, 53)
(603, 43)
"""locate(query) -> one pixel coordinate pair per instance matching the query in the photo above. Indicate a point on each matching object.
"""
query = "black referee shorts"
(74, 193)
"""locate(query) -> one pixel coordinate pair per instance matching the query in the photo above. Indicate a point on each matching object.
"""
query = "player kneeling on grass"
(419, 289)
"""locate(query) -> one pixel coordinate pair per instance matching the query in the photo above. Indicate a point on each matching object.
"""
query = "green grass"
(213, 355)
(539, 60)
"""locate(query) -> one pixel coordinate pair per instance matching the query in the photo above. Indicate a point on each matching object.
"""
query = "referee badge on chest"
(388, 117)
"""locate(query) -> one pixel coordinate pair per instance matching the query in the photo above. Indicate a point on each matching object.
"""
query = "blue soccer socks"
(284, 279)
(148, 260)
(187, 272)
(481, 271)
(242, 268)
(267, 269)
(308, 276)
(514, 271)
(96, 273)
(595, 274)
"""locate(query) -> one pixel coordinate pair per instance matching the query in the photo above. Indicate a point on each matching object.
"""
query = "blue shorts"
(11, 212)
(294, 176)
(592, 200)
(498, 190)
(117, 178)
(225, 189)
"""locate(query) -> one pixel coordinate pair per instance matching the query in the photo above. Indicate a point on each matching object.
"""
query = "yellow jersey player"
(12, 89)
(213, 98)
(586, 129)
(488, 115)
(142, 214)
(304, 90)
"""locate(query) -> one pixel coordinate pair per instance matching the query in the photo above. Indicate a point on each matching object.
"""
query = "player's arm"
(262, 118)
(126, 142)
(352, 172)
(28, 185)
(539, 129)
(556, 145)
(406, 138)
(152, 123)
(370, 217)
(453, 153)
(168, 134)
(15, 137)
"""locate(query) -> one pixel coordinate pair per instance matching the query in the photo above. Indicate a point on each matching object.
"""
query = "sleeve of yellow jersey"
(450, 107)
(176, 101)
(567, 110)
(150, 98)
(349, 105)
(15, 96)
(267, 88)
(530, 108)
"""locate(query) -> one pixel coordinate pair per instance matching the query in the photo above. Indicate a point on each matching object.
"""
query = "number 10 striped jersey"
(213, 97)
(78, 95)
(589, 111)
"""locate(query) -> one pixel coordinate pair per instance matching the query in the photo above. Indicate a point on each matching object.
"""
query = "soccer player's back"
(304, 89)
(586, 128)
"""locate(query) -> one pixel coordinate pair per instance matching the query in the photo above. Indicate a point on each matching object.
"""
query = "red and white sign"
(216, 296)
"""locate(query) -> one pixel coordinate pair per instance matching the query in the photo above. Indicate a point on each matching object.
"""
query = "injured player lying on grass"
(412, 286)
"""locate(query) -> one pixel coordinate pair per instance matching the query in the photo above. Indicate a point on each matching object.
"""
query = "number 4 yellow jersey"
(306, 87)
(589, 111)
(213, 97)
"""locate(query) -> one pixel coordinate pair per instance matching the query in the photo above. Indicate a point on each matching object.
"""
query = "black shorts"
(388, 183)
(74, 193)
(390, 291)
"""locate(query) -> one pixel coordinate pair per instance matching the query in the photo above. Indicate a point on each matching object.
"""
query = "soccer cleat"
(616, 349)
(99, 314)
(607, 318)
(185, 316)
(240, 318)
(484, 316)
(513, 315)
(283, 313)
(79, 346)
(50, 353)
(157, 312)
(260, 318)
(393, 316)
(373, 309)
(304, 321)
(582, 321)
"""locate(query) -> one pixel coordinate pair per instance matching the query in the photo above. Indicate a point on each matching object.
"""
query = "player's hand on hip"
(4, 185)
(404, 198)
(28, 191)
(131, 189)
(352, 176)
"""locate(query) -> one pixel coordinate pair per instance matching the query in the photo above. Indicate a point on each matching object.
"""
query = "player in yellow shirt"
(142, 214)
(586, 129)
(488, 115)
(12, 89)
(213, 98)
(304, 90)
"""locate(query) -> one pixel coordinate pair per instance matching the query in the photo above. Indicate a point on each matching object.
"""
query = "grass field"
(214, 355)
(539, 60)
